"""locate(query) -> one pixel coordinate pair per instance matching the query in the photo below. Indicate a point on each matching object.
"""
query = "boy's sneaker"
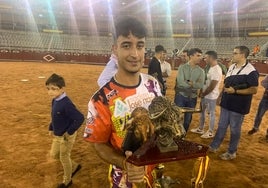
(227, 156)
(197, 130)
(208, 134)
(252, 131)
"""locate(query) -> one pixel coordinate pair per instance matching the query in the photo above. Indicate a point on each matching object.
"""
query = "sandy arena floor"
(25, 143)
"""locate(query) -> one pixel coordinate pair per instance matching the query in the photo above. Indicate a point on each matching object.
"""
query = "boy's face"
(130, 52)
(54, 91)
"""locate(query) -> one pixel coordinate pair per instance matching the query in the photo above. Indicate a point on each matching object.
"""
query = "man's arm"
(164, 74)
(107, 153)
(77, 118)
(218, 101)
(198, 84)
(111, 156)
(247, 91)
(210, 88)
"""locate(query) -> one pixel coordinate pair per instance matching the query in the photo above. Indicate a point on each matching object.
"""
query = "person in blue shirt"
(240, 84)
(65, 121)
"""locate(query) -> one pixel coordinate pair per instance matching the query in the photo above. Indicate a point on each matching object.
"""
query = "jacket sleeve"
(159, 73)
(76, 117)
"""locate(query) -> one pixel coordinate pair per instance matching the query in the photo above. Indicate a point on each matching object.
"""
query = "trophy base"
(172, 147)
(152, 154)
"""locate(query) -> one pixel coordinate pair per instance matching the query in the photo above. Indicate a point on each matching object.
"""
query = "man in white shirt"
(209, 95)
(165, 68)
(109, 71)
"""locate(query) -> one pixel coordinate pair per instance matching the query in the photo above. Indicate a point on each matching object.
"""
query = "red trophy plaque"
(149, 152)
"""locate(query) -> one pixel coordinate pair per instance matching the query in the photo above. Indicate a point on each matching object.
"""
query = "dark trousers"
(189, 102)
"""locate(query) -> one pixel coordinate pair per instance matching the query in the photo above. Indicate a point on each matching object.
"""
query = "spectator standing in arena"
(263, 107)
(222, 66)
(256, 50)
(185, 57)
(190, 79)
(240, 83)
(109, 70)
(66, 120)
(209, 95)
(154, 67)
(166, 69)
(111, 106)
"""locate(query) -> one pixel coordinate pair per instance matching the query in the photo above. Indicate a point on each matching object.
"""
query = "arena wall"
(100, 59)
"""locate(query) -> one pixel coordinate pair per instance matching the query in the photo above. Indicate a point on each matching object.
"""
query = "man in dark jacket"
(154, 68)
